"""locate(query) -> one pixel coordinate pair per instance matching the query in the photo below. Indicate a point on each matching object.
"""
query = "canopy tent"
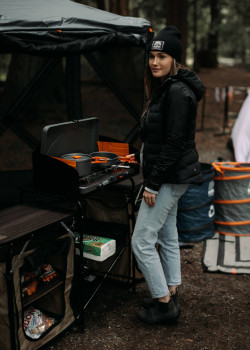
(63, 28)
(52, 27)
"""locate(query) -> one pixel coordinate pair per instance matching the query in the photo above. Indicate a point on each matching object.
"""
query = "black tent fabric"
(59, 27)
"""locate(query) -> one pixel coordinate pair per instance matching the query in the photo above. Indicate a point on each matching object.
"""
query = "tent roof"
(58, 27)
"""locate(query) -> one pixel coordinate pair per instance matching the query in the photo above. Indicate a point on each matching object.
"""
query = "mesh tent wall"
(63, 28)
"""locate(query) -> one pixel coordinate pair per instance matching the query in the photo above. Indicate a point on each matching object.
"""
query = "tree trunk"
(213, 32)
(119, 7)
(195, 62)
(176, 15)
(101, 5)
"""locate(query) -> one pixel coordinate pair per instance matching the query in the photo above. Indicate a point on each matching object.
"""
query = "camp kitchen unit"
(54, 260)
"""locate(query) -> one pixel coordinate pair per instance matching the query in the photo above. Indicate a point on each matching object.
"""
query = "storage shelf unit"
(31, 236)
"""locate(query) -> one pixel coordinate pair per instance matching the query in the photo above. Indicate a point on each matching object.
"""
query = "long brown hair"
(151, 84)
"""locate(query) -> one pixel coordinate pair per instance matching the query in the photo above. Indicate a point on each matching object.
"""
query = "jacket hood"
(192, 80)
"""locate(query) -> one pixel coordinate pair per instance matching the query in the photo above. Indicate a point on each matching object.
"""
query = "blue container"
(195, 216)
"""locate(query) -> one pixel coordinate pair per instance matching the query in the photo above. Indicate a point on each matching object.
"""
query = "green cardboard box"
(96, 247)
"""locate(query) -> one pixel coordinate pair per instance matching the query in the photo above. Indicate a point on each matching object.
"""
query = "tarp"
(241, 133)
(58, 27)
(227, 254)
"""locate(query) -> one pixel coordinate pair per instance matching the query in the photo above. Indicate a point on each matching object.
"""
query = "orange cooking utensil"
(128, 159)
(96, 160)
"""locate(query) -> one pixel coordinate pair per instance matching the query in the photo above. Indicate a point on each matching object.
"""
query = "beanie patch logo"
(157, 45)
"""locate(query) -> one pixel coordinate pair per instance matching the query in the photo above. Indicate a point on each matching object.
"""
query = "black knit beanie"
(168, 40)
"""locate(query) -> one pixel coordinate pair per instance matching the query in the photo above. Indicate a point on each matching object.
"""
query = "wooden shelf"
(42, 289)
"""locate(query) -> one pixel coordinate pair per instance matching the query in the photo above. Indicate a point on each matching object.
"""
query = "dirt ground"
(215, 306)
(215, 315)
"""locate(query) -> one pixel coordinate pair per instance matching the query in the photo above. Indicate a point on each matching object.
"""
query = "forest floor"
(215, 306)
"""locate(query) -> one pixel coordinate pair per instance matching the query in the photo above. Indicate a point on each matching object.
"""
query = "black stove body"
(103, 177)
(55, 177)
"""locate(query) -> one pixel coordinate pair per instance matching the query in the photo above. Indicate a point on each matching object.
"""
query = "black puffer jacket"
(168, 132)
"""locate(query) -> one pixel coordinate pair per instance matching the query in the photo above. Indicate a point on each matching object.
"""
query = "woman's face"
(160, 64)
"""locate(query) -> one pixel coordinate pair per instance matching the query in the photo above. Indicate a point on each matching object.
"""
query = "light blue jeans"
(161, 268)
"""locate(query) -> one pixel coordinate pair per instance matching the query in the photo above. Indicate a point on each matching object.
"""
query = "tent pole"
(12, 114)
(133, 135)
(135, 132)
(73, 87)
(25, 136)
(111, 84)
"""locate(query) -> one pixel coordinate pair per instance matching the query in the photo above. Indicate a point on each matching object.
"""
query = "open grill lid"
(77, 136)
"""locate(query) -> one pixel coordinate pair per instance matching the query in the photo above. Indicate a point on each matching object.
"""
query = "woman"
(170, 163)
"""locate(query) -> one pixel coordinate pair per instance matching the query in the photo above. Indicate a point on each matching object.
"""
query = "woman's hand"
(149, 198)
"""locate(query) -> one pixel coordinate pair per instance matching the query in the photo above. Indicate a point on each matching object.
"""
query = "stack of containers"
(232, 198)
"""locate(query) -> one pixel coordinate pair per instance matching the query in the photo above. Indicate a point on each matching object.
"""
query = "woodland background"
(216, 36)
(210, 28)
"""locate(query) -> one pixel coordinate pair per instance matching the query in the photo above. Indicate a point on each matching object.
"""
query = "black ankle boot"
(149, 302)
(176, 300)
(159, 313)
